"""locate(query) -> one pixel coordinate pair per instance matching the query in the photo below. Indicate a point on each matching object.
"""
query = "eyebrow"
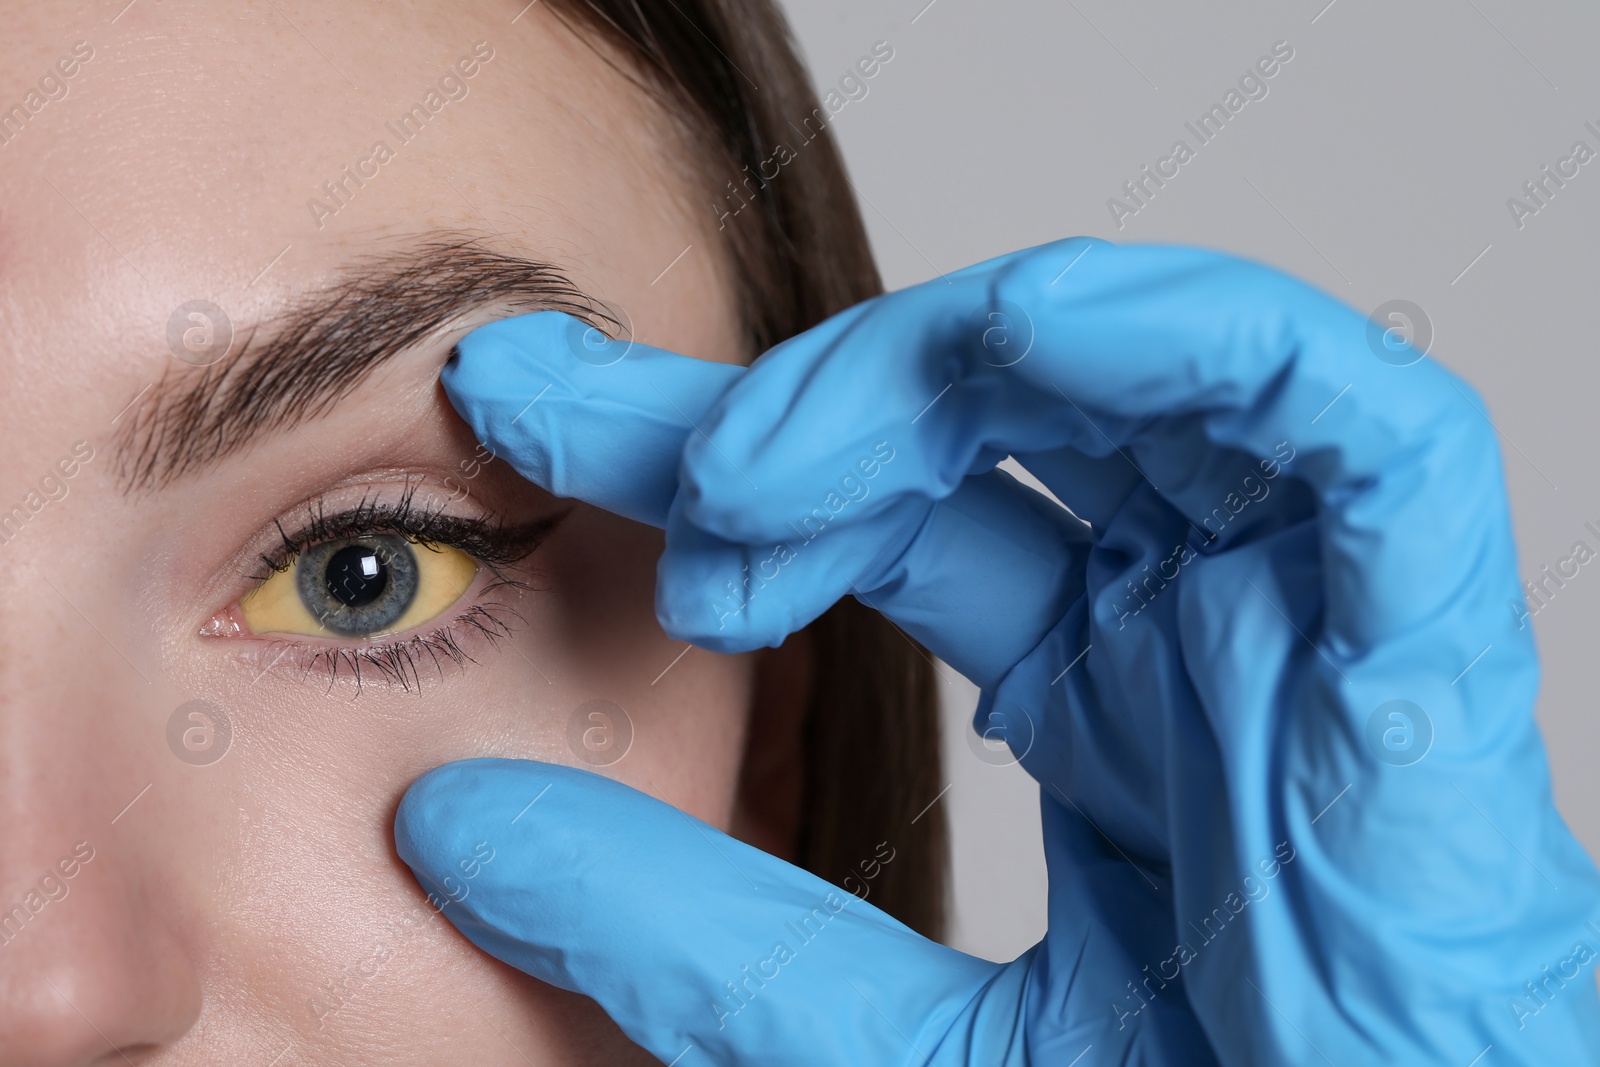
(304, 360)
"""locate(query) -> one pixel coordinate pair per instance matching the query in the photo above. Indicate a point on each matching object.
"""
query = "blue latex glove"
(1255, 855)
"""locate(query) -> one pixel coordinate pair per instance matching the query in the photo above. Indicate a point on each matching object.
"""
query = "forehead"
(239, 153)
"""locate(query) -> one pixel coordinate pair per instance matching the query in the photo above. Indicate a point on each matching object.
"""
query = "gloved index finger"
(599, 420)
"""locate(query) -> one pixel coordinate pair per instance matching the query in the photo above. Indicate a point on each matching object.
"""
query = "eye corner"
(225, 623)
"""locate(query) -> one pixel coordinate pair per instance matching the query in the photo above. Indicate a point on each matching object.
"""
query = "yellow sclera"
(443, 575)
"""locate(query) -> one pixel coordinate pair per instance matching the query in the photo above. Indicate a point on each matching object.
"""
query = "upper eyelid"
(364, 517)
(488, 538)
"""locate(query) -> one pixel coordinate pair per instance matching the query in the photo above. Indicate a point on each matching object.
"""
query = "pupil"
(356, 576)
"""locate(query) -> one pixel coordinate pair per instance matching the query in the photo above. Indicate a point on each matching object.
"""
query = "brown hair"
(729, 70)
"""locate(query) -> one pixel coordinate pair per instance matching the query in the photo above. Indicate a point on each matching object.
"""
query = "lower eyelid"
(401, 662)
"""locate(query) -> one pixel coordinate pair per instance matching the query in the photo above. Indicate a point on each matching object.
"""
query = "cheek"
(333, 938)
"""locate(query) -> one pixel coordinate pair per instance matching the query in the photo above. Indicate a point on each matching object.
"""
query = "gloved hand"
(1295, 806)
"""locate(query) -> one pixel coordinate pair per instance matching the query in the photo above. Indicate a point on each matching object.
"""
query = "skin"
(227, 897)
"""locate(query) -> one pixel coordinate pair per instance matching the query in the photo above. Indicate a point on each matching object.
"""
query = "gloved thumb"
(703, 949)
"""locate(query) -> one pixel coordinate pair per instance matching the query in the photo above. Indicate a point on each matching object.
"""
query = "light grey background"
(1378, 167)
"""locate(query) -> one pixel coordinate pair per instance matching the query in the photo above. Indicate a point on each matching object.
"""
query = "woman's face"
(159, 904)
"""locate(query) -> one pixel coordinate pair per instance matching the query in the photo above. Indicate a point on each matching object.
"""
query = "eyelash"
(490, 541)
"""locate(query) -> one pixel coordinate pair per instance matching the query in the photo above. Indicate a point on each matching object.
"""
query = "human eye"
(383, 585)
(368, 586)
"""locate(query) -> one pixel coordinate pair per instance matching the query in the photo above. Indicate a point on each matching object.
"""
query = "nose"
(95, 964)
(88, 974)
